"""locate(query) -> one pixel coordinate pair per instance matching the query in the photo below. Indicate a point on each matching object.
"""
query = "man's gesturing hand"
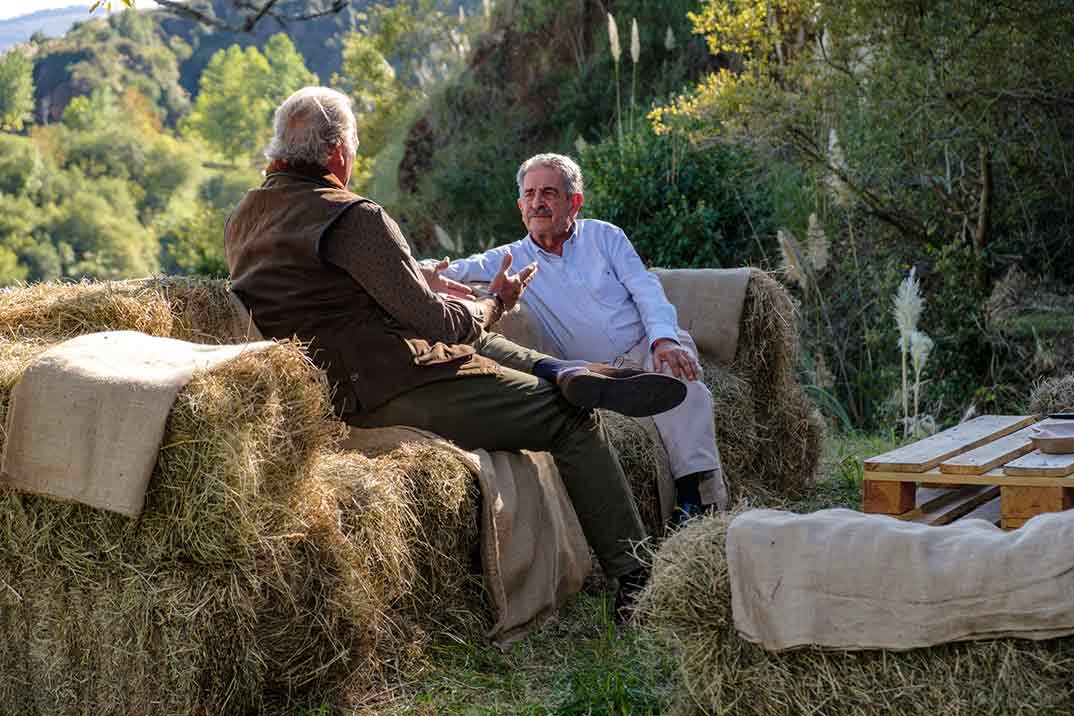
(667, 352)
(440, 284)
(510, 287)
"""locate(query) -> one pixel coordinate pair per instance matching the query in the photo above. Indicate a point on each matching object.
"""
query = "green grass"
(1047, 323)
(580, 664)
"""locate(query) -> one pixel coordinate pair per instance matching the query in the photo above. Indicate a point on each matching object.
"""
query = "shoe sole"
(638, 396)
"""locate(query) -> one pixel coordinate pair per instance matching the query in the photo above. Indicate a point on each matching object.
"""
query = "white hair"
(310, 124)
(568, 169)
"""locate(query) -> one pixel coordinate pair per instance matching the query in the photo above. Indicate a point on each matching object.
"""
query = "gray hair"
(568, 169)
(310, 124)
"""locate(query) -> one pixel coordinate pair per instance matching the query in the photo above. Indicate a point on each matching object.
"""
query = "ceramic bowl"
(1055, 438)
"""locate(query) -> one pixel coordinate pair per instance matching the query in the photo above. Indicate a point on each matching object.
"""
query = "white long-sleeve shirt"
(596, 301)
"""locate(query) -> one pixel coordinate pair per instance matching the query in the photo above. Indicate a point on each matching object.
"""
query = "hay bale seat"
(688, 606)
(268, 570)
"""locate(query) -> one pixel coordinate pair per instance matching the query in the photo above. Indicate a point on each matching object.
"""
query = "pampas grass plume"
(920, 348)
(613, 38)
(907, 308)
(635, 42)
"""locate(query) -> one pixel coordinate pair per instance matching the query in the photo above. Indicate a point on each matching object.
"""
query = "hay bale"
(217, 599)
(644, 461)
(237, 441)
(790, 431)
(1052, 395)
(687, 604)
(54, 312)
(188, 308)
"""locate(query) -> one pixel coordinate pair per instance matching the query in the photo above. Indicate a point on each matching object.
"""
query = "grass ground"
(581, 664)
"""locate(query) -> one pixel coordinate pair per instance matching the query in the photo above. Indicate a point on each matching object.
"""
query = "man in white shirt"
(597, 302)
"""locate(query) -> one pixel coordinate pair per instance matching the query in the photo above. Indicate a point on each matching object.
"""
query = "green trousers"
(514, 410)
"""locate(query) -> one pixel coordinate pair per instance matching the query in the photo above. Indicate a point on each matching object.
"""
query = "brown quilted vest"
(272, 242)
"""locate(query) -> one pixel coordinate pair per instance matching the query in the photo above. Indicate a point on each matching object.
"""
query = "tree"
(239, 91)
(287, 70)
(16, 89)
(247, 14)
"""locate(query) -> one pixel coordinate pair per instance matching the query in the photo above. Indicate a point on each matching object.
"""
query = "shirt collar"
(304, 170)
(569, 242)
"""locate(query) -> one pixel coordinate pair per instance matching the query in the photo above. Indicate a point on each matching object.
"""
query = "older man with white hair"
(596, 301)
(311, 259)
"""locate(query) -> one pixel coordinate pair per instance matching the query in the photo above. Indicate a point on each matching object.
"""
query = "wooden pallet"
(985, 468)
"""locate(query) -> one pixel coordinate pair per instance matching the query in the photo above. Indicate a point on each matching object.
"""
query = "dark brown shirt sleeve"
(368, 245)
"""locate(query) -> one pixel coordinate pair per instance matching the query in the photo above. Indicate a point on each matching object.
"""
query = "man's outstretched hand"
(678, 360)
(441, 284)
(509, 287)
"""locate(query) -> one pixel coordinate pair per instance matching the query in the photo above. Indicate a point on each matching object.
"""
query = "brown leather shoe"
(631, 392)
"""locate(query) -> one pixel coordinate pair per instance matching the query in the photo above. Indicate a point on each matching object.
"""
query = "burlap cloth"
(87, 417)
(845, 580)
(533, 552)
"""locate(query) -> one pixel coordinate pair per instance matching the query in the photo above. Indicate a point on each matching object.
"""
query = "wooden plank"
(1025, 502)
(889, 498)
(1011, 523)
(990, 455)
(992, 477)
(946, 508)
(926, 454)
(1039, 464)
(989, 512)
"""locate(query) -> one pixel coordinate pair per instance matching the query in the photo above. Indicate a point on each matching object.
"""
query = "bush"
(681, 206)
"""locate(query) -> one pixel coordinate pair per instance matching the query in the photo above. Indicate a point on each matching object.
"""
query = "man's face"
(546, 209)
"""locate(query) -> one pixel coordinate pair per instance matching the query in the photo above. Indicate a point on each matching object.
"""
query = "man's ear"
(576, 203)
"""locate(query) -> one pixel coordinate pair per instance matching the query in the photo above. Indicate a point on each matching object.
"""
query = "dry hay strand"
(767, 350)
(687, 605)
(403, 528)
(201, 308)
(644, 460)
(736, 432)
(57, 311)
(187, 308)
(447, 594)
(1052, 395)
(790, 431)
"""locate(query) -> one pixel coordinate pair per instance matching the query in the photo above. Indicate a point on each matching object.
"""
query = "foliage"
(540, 80)
(239, 91)
(370, 81)
(681, 206)
(16, 89)
(956, 186)
(124, 51)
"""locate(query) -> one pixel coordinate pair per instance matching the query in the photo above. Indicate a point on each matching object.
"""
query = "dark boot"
(630, 587)
(630, 392)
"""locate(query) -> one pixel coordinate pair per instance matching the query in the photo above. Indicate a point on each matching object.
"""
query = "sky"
(14, 8)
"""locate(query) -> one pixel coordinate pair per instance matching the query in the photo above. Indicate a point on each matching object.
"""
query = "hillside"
(53, 23)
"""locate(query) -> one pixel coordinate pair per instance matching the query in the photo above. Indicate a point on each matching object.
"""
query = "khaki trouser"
(515, 410)
(687, 431)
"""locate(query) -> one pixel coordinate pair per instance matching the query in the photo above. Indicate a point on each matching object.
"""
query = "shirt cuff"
(659, 332)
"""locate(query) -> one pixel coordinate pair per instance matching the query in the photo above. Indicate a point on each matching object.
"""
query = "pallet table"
(985, 468)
